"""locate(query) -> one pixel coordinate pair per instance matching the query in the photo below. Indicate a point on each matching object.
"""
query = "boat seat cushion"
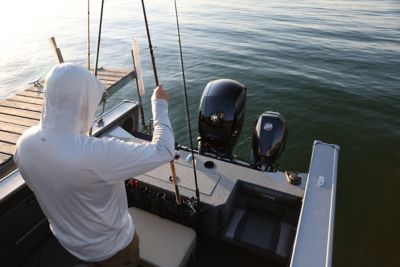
(162, 242)
(261, 231)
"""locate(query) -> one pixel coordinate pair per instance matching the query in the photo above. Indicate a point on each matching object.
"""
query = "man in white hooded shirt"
(78, 179)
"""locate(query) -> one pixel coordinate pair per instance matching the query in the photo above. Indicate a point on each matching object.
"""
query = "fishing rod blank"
(103, 98)
(98, 39)
(172, 164)
(150, 46)
(88, 32)
(186, 105)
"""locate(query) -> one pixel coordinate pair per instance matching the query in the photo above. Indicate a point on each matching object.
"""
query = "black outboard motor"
(221, 115)
(269, 136)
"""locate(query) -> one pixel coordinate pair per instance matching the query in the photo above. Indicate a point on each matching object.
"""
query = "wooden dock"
(24, 110)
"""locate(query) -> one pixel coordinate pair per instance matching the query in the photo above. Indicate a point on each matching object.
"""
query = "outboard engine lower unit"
(269, 136)
(221, 115)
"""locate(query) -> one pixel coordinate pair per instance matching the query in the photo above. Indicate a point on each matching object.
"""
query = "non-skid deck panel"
(24, 109)
(206, 180)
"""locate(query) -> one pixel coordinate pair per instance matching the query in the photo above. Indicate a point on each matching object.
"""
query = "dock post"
(56, 51)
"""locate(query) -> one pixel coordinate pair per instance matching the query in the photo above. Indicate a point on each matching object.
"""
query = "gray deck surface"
(216, 184)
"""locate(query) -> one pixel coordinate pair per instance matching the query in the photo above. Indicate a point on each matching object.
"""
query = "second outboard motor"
(221, 115)
(269, 137)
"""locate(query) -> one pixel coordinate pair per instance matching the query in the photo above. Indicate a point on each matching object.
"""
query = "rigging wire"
(186, 104)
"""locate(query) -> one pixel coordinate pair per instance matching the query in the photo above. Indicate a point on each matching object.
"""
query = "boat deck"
(24, 110)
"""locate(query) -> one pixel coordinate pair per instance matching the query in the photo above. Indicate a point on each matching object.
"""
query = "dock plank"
(20, 105)
(4, 158)
(18, 120)
(111, 70)
(7, 148)
(109, 76)
(34, 89)
(107, 84)
(26, 99)
(110, 79)
(12, 128)
(9, 137)
(121, 83)
(29, 93)
(21, 113)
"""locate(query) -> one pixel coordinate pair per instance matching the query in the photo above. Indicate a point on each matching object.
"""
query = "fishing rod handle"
(174, 182)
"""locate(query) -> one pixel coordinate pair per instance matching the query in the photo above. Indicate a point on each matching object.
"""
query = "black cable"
(186, 105)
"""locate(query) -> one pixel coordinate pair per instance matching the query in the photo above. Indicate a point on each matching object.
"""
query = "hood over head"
(72, 95)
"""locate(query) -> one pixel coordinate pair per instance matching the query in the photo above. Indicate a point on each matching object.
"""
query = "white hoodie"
(79, 180)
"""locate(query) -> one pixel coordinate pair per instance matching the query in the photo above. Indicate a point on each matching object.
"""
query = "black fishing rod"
(187, 105)
(150, 46)
(88, 31)
(98, 38)
(103, 98)
(172, 164)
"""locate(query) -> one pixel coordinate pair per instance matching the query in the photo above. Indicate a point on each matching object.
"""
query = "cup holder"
(209, 164)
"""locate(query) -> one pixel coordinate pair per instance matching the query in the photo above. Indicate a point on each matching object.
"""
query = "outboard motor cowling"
(221, 115)
(269, 137)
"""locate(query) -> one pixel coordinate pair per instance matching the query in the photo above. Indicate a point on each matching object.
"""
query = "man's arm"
(116, 160)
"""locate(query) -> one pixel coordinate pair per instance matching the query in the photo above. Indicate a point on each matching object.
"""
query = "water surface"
(330, 67)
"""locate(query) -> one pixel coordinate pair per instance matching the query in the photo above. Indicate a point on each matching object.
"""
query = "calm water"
(331, 67)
